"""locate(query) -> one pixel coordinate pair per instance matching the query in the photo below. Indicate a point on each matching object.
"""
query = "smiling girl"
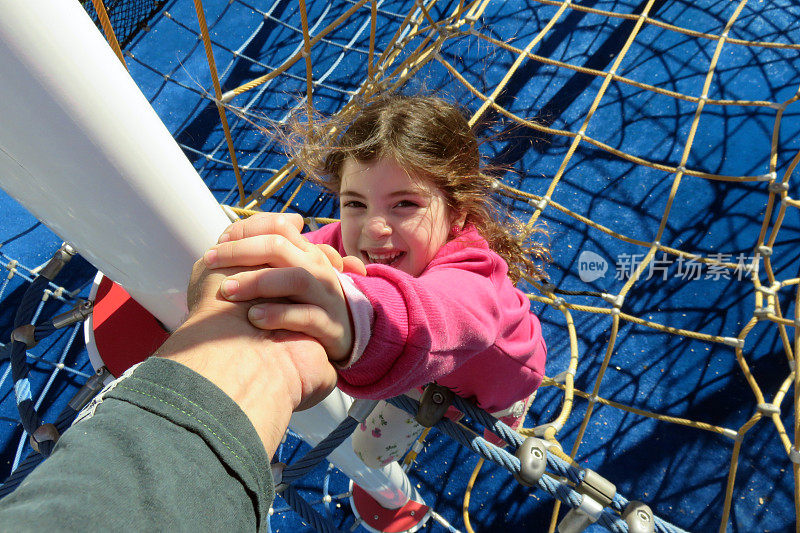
(437, 300)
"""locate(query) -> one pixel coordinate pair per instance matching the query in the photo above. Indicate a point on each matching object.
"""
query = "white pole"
(82, 149)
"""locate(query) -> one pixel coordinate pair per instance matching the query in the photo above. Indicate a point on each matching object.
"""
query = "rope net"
(656, 141)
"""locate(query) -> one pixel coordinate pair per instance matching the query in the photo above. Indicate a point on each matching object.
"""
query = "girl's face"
(389, 218)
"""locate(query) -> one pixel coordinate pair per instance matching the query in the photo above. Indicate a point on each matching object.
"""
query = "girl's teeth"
(384, 259)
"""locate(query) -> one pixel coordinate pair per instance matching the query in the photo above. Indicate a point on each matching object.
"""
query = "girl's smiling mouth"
(390, 257)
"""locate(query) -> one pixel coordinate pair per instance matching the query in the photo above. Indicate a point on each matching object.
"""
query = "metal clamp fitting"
(360, 409)
(42, 434)
(597, 488)
(90, 389)
(25, 334)
(762, 312)
(80, 312)
(57, 262)
(581, 517)
(434, 404)
(277, 476)
(532, 456)
(768, 409)
(778, 187)
(639, 517)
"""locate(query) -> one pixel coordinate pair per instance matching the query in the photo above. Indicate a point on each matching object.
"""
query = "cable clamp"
(794, 455)
(277, 476)
(769, 176)
(495, 185)
(559, 302)
(532, 455)
(548, 287)
(778, 187)
(25, 334)
(57, 262)
(762, 312)
(90, 389)
(597, 488)
(614, 299)
(561, 377)
(769, 291)
(639, 517)
(768, 409)
(792, 364)
(733, 341)
(360, 409)
(12, 268)
(581, 517)
(44, 433)
(731, 434)
(230, 213)
(766, 251)
(78, 313)
(434, 403)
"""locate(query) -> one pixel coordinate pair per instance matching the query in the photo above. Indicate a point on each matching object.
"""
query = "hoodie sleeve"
(426, 327)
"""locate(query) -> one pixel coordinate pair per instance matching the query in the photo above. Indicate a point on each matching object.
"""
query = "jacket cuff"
(363, 316)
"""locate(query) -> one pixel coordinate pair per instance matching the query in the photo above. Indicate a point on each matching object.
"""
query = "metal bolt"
(644, 517)
(375, 517)
(536, 453)
(437, 397)
(412, 513)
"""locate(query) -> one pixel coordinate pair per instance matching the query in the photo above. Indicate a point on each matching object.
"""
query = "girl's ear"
(457, 224)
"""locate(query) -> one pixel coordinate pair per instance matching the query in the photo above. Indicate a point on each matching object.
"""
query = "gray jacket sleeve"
(163, 449)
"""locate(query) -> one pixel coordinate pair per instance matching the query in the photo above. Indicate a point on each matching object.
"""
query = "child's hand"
(304, 275)
(289, 225)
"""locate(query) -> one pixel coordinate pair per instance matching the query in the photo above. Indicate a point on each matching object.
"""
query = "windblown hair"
(434, 142)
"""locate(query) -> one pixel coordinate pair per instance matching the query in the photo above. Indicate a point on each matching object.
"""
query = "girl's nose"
(376, 228)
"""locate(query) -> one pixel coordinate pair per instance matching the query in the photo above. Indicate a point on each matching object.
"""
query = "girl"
(436, 301)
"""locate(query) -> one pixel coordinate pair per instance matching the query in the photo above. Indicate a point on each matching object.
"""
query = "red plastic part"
(125, 332)
(388, 520)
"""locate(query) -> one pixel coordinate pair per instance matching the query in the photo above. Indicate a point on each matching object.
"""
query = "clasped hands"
(274, 362)
(299, 279)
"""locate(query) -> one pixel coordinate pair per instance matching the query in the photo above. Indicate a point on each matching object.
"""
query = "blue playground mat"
(623, 134)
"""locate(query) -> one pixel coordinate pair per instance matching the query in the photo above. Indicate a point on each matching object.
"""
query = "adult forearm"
(165, 449)
(244, 363)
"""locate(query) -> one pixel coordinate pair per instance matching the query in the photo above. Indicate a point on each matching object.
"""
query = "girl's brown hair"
(434, 142)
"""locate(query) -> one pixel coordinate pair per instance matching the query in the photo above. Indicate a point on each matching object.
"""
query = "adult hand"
(268, 374)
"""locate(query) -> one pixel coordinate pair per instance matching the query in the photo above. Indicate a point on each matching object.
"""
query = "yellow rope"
(684, 31)
(108, 30)
(418, 40)
(212, 66)
(468, 494)
(295, 58)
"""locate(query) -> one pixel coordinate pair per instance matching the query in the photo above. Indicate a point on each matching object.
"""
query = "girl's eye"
(406, 203)
(353, 204)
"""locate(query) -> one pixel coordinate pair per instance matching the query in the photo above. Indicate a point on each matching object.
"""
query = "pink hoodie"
(461, 323)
